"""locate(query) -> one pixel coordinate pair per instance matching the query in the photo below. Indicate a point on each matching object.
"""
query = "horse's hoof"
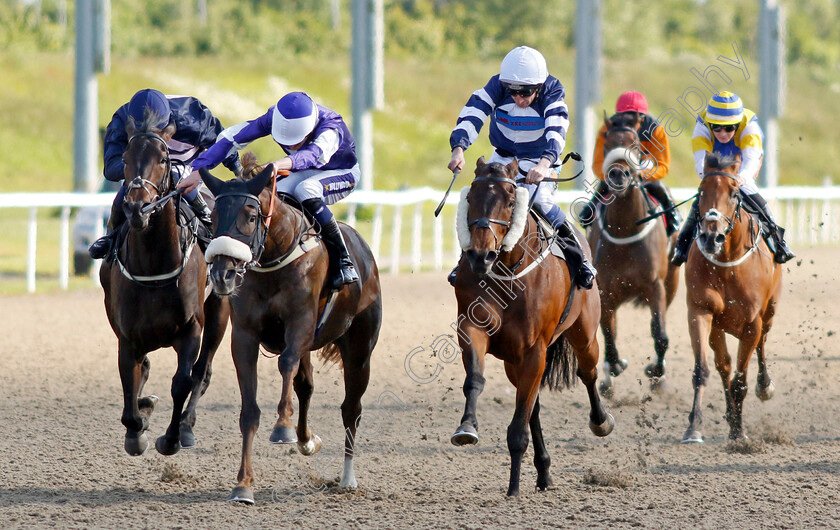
(283, 435)
(147, 404)
(692, 437)
(765, 393)
(311, 447)
(605, 428)
(243, 495)
(616, 368)
(187, 437)
(348, 482)
(655, 370)
(165, 448)
(136, 443)
(658, 385)
(546, 484)
(465, 435)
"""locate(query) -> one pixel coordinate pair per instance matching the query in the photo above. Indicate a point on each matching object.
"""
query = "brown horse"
(733, 286)
(280, 304)
(632, 260)
(517, 302)
(155, 296)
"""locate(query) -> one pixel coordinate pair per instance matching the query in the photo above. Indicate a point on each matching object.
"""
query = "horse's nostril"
(491, 256)
(720, 238)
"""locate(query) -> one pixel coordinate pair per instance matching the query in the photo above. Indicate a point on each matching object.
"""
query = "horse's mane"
(720, 161)
(250, 167)
(150, 118)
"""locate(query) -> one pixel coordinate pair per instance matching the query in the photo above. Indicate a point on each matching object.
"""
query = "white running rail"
(811, 216)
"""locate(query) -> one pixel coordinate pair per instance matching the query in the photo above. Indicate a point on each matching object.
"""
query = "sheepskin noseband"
(517, 223)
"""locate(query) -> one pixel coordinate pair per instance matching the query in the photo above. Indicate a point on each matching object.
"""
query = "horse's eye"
(511, 204)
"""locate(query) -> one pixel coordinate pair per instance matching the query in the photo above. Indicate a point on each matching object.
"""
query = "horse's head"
(492, 214)
(147, 169)
(624, 159)
(719, 201)
(243, 208)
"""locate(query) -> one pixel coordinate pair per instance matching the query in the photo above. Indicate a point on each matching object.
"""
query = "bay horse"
(732, 286)
(279, 304)
(632, 260)
(518, 303)
(154, 288)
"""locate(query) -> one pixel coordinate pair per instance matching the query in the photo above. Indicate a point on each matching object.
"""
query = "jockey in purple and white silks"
(196, 129)
(320, 156)
(528, 121)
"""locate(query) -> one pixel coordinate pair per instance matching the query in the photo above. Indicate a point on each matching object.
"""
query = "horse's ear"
(263, 179)
(512, 168)
(479, 164)
(607, 120)
(130, 127)
(169, 131)
(212, 183)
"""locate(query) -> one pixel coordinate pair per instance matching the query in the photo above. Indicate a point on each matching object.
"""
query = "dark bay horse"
(732, 286)
(632, 260)
(278, 304)
(517, 302)
(155, 296)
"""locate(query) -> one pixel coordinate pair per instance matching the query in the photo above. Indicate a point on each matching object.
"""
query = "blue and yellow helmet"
(725, 108)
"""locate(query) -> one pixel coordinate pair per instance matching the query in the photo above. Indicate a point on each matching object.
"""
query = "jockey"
(653, 143)
(196, 130)
(320, 154)
(528, 121)
(726, 127)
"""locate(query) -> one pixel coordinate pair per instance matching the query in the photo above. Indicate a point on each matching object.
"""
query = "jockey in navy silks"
(528, 122)
(320, 156)
(196, 129)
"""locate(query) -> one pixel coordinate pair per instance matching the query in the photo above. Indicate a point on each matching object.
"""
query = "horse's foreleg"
(542, 460)
(217, 311)
(473, 349)
(656, 300)
(288, 363)
(699, 327)
(186, 345)
(134, 371)
(764, 387)
(613, 366)
(528, 376)
(245, 350)
(750, 337)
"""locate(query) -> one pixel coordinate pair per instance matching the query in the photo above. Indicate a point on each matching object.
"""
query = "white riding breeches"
(330, 185)
(545, 191)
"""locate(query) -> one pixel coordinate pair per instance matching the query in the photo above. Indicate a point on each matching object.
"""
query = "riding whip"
(445, 195)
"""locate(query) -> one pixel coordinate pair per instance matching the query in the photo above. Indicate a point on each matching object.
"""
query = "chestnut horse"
(732, 286)
(632, 260)
(517, 302)
(155, 295)
(280, 303)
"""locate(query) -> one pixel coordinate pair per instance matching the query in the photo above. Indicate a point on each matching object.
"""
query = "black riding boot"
(453, 274)
(345, 271)
(587, 214)
(103, 246)
(660, 192)
(783, 253)
(686, 236)
(203, 213)
(583, 271)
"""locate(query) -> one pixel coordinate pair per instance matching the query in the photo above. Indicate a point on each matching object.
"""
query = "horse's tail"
(560, 365)
(330, 354)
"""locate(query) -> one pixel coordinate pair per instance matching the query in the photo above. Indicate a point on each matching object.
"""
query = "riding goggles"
(524, 91)
(727, 128)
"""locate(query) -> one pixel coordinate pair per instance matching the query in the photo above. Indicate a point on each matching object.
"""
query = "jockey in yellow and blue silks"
(528, 122)
(727, 128)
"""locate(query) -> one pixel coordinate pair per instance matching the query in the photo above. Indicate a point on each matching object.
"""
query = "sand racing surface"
(63, 465)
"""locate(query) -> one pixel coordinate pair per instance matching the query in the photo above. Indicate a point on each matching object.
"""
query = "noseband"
(713, 214)
(138, 182)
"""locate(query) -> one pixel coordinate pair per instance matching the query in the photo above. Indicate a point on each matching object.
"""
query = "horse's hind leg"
(542, 460)
(186, 346)
(613, 365)
(584, 342)
(134, 371)
(750, 337)
(657, 303)
(304, 384)
(217, 311)
(764, 388)
(356, 348)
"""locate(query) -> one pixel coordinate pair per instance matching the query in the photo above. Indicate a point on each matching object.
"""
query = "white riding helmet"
(523, 66)
(293, 118)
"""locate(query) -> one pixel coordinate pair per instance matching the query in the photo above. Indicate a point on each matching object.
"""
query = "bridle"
(484, 222)
(713, 214)
(138, 182)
